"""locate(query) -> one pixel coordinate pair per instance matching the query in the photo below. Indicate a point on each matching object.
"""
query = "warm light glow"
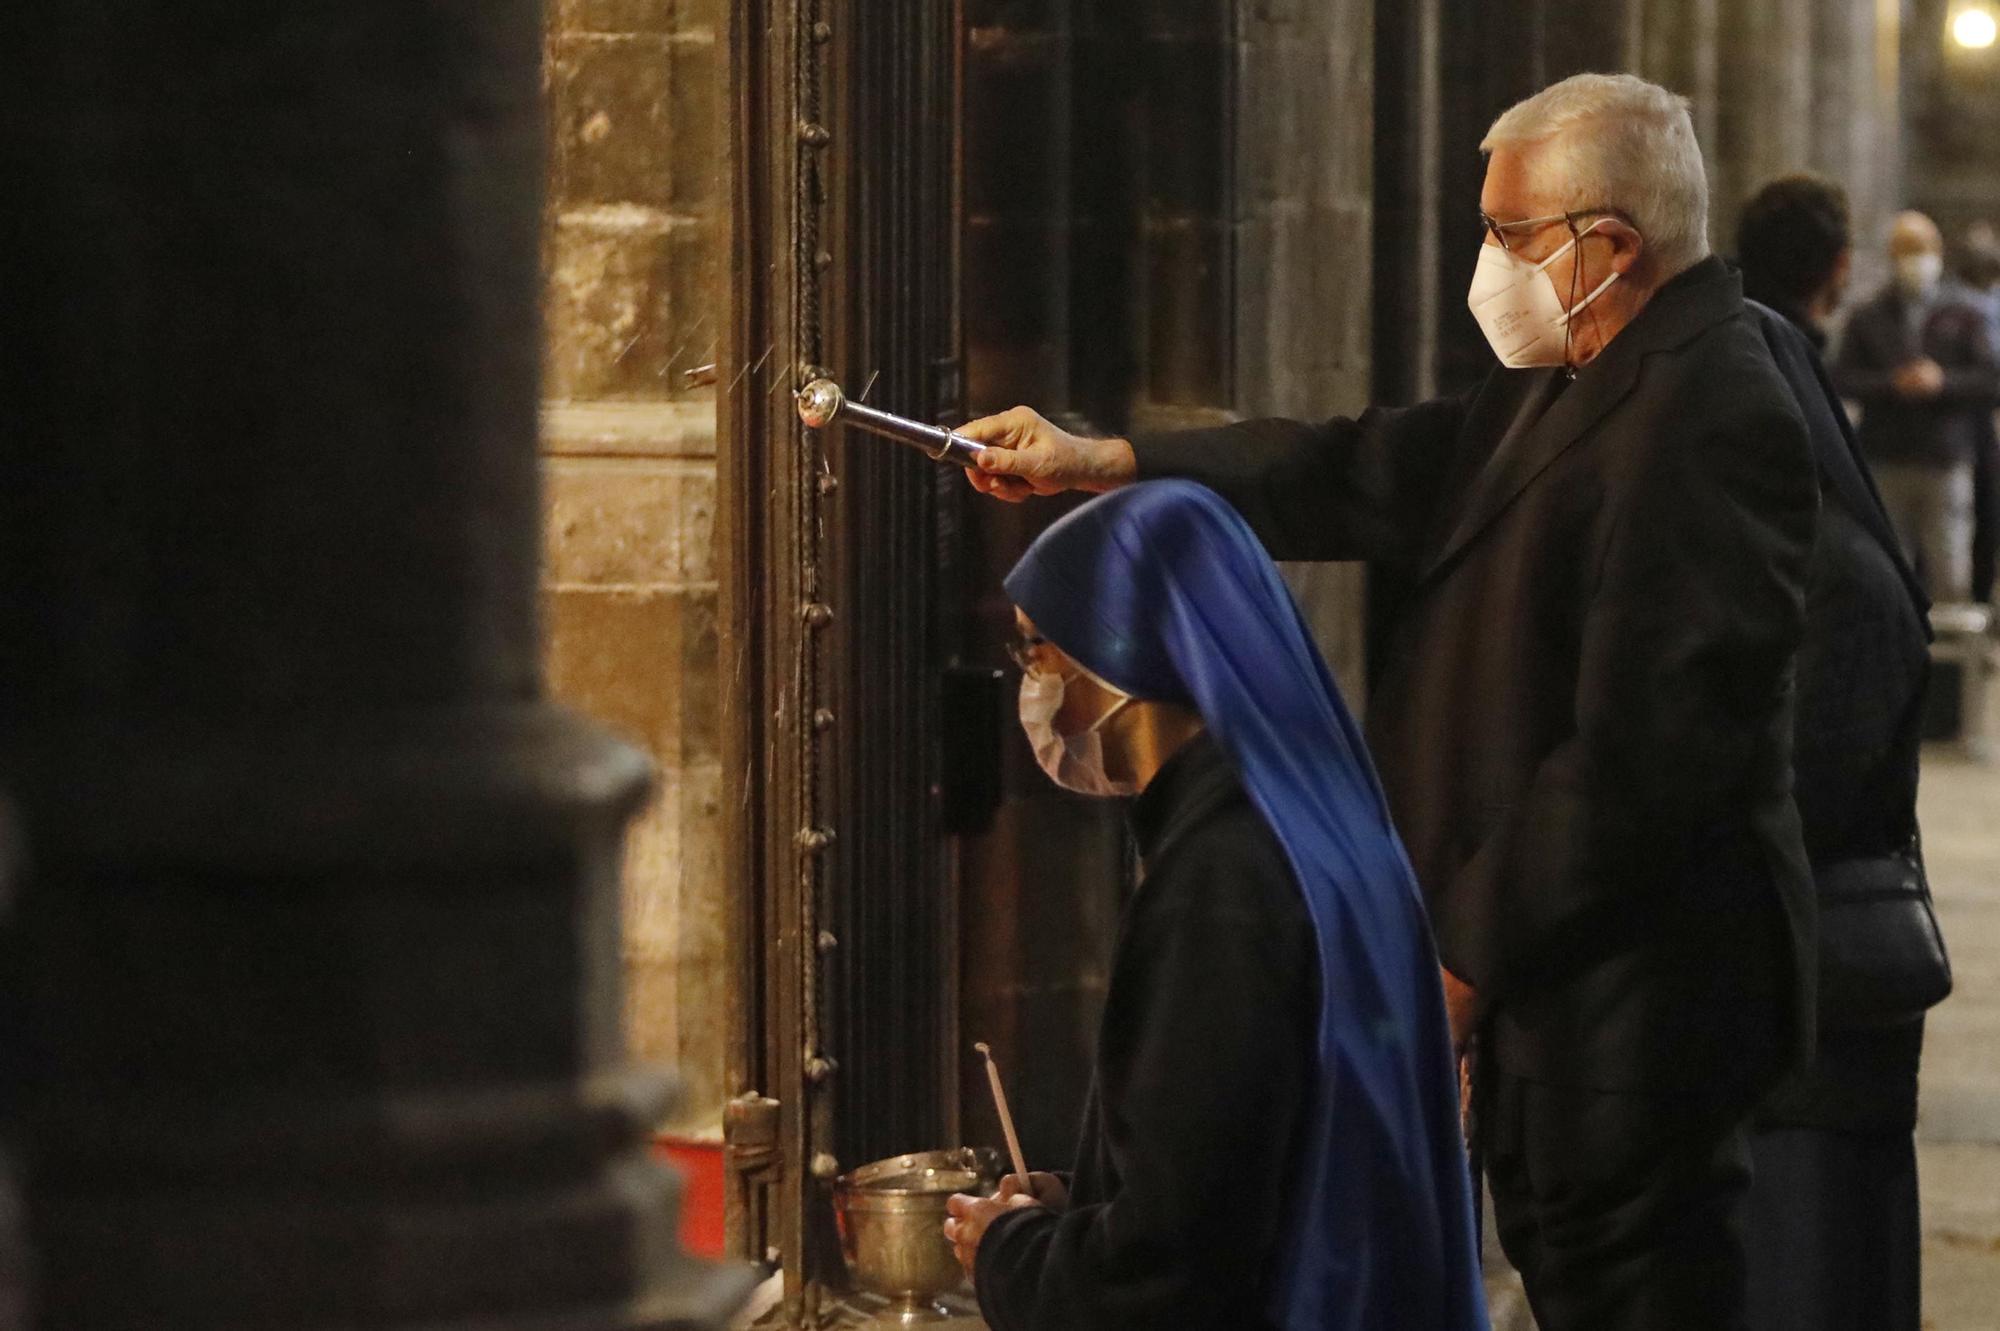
(1975, 29)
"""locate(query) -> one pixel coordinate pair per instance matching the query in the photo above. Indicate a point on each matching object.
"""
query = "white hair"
(1617, 141)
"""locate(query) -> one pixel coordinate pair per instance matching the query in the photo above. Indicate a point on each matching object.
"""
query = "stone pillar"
(1764, 103)
(1677, 49)
(319, 955)
(1303, 242)
(1603, 37)
(1857, 123)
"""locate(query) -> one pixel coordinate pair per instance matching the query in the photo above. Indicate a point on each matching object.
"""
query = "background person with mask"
(1584, 710)
(1271, 1139)
(1920, 362)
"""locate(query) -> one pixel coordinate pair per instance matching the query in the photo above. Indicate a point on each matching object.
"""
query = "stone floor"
(1958, 1135)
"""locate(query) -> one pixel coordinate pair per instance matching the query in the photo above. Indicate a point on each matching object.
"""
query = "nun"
(1272, 1135)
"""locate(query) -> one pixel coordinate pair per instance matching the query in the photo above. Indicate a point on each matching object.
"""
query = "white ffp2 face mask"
(1520, 310)
(1919, 273)
(1074, 762)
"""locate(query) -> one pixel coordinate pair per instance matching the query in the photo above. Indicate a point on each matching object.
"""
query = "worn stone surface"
(1301, 223)
(629, 522)
(632, 640)
(633, 240)
(633, 229)
(631, 303)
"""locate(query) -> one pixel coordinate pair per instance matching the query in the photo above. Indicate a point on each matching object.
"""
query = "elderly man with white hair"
(1583, 709)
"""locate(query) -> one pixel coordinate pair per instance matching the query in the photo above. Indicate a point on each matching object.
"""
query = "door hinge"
(750, 1135)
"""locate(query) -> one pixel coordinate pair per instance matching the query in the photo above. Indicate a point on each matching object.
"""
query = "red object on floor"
(700, 1164)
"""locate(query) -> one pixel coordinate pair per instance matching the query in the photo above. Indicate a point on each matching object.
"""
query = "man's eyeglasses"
(1024, 650)
(1500, 230)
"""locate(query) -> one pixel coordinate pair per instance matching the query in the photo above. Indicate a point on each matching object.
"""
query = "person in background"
(1979, 271)
(1834, 1240)
(1272, 1137)
(1919, 361)
(1793, 249)
(1979, 267)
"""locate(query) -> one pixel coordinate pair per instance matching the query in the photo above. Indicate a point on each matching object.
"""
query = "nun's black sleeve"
(1204, 1064)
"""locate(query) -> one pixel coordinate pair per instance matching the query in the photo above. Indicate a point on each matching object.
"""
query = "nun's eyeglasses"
(1024, 649)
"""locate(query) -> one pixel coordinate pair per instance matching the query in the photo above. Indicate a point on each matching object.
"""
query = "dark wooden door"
(844, 260)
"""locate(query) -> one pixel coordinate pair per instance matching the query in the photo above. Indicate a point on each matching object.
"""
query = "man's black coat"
(1584, 713)
(1865, 655)
(1862, 668)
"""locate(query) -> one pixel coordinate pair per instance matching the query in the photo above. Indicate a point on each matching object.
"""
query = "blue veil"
(1162, 590)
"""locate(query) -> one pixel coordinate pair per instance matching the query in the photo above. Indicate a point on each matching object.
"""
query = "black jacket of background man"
(1862, 668)
(1880, 338)
(1865, 655)
(1584, 712)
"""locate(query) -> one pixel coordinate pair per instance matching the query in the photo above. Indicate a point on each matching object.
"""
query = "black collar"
(1197, 780)
(1686, 307)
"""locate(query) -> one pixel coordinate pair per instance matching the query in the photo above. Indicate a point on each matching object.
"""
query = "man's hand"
(971, 1215)
(1026, 455)
(1461, 1008)
(1919, 379)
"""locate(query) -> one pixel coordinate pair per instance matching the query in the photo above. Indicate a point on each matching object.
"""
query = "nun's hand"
(1026, 455)
(1046, 1188)
(969, 1217)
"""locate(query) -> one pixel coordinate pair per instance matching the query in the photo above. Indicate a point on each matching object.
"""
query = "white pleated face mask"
(1074, 762)
(1918, 274)
(1519, 309)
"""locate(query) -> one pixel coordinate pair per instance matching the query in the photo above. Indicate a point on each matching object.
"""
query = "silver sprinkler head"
(820, 402)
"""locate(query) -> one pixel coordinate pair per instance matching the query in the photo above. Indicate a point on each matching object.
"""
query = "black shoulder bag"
(1881, 956)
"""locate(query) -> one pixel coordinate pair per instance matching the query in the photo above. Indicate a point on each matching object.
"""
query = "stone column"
(1602, 37)
(1764, 103)
(1303, 227)
(1677, 49)
(318, 947)
(1856, 130)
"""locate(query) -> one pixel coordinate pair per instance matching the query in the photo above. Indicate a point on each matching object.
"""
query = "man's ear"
(1836, 282)
(1627, 245)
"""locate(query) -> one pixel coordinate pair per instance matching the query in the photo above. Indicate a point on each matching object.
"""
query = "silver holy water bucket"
(891, 1216)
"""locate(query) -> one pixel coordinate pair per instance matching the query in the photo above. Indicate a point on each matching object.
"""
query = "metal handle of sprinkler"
(821, 402)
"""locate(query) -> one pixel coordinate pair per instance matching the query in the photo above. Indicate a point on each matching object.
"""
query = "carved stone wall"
(633, 241)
